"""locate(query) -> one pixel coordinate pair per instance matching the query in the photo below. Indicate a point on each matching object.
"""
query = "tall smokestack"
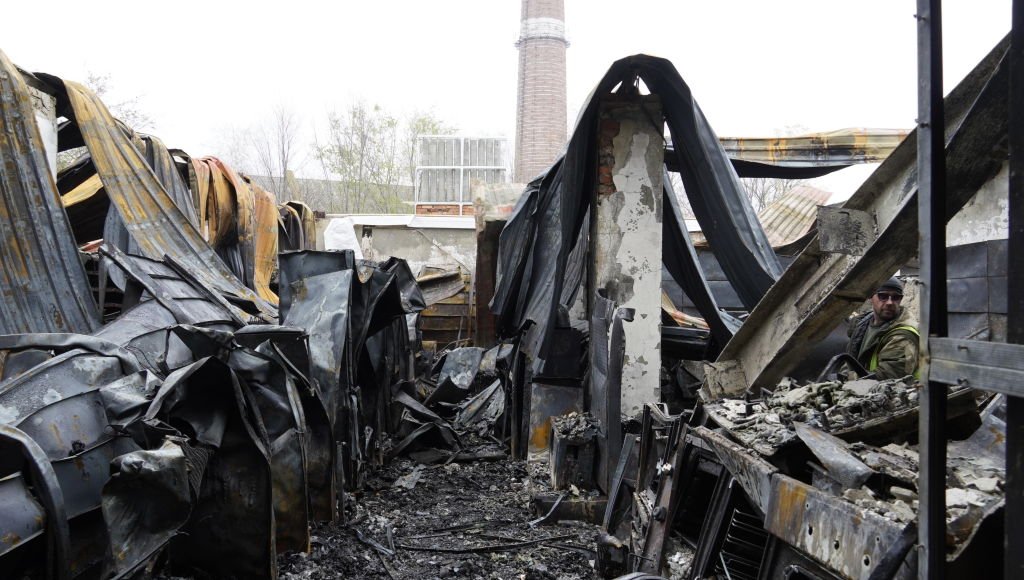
(540, 112)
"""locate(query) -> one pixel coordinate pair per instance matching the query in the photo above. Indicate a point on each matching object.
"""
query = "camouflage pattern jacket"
(892, 351)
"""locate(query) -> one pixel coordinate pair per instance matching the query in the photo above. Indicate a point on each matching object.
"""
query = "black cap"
(891, 284)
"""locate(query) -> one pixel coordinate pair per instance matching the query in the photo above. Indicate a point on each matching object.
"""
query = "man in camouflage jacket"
(883, 340)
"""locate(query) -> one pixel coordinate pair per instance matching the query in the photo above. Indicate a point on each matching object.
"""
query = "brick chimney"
(540, 107)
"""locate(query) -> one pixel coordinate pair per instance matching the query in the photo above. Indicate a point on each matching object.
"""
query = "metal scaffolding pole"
(1014, 540)
(931, 200)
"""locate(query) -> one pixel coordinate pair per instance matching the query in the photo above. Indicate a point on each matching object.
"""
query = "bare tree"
(361, 151)
(128, 111)
(762, 191)
(274, 147)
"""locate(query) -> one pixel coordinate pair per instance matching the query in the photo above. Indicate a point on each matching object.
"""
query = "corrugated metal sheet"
(155, 222)
(787, 218)
(43, 286)
(792, 215)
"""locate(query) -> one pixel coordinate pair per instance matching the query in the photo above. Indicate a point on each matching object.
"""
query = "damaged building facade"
(192, 384)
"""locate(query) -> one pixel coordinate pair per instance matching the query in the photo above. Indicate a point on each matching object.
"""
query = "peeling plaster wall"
(626, 240)
(986, 216)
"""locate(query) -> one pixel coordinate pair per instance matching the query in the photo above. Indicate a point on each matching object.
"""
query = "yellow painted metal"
(83, 192)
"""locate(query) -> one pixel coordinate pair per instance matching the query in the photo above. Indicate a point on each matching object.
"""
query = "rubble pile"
(832, 406)
(575, 426)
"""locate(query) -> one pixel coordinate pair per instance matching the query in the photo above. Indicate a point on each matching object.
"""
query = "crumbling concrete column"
(626, 232)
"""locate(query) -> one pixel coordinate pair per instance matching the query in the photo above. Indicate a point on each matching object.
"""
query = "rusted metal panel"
(835, 532)
(264, 241)
(833, 148)
(151, 216)
(819, 289)
(43, 286)
(753, 473)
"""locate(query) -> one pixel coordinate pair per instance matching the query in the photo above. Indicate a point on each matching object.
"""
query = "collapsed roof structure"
(749, 470)
(150, 402)
(161, 398)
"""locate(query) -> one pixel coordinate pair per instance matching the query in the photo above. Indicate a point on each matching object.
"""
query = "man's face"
(886, 304)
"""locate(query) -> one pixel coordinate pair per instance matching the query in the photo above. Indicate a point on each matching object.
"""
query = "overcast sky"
(755, 66)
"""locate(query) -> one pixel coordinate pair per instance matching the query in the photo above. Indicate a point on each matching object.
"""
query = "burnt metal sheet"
(851, 540)
(83, 474)
(151, 216)
(63, 376)
(320, 304)
(832, 452)
(43, 286)
(278, 403)
(753, 473)
(538, 242)
(145, 502)
(24, 518)
(307, 220)
(437, 287)
(230, 532)
(18, 452)
(185, 297)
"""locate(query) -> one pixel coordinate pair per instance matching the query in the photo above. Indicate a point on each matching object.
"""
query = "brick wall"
(541, 103)
(444, 209)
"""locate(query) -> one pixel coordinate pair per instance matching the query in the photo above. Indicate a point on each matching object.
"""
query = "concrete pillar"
(626, 232)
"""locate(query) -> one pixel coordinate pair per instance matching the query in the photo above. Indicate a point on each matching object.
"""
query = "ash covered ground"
(461, 520)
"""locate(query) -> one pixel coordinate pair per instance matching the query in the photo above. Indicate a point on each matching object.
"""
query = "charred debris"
(188, 387)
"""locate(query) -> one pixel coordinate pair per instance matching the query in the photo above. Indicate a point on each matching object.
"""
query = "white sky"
(755, 66)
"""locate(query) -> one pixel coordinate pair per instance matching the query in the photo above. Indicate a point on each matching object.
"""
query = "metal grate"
(743, 547)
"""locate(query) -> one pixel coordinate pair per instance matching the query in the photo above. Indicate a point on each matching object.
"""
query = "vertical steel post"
(931, 203)
(1014, 555)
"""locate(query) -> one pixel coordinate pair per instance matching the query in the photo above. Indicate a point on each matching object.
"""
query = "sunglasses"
(886, 296)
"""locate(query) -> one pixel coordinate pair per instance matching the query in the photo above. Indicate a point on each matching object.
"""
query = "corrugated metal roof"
(43, 286)
(786, 219)
(155, 222)
(792, 215)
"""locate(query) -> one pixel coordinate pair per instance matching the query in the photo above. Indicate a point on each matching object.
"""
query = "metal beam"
(1013, 564)
(993, 366)
(931, 202)
(820, 289)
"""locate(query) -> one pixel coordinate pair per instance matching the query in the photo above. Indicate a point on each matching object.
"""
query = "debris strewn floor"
(461, 520)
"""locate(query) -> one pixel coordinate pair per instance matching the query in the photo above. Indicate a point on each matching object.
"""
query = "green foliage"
(370, 153)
